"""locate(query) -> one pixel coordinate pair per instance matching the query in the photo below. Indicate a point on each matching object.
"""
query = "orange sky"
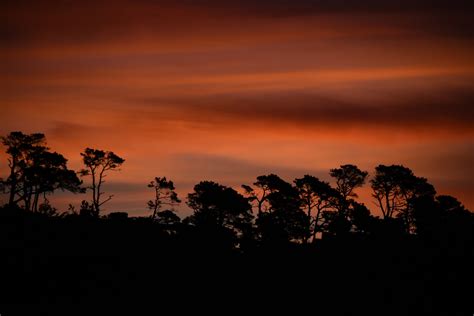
(227, 91)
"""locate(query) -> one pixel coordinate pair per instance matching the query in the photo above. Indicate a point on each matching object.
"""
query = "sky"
(229, 90)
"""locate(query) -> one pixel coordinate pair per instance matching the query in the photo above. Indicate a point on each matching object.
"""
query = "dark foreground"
(89, 266)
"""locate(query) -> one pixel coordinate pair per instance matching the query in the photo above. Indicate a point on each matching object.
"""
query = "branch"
(105, 201)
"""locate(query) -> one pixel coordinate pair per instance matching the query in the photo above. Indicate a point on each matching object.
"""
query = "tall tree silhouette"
(35, 171)
(47, 173)
(263, 187)
(315, 195)
(283, 219)
(348, 178)
(164, 195)
(394, 187)
(19, 149)
(98, 163)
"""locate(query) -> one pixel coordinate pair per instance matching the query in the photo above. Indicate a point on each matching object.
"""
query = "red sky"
(229, 90)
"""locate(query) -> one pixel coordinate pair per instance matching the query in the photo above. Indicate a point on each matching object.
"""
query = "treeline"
(270, 210)
(272, 244)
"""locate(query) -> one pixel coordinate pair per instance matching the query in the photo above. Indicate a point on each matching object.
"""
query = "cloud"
(437, 110)
(233, 171)
(204, 22)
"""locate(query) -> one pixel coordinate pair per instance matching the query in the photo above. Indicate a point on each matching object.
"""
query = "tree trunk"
(35, 202)
(316, 225)
(306, 237)
(11, 200)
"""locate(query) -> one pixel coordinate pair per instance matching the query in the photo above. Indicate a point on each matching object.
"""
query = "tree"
(47, 173)
(335, 223)
(35, 171)
(264, 186)
(283, 225)
(218, 206)
(442, 219)
(281, 220)
(450, 204)
(395, 187)
(318, 195)
(164, 195)
(19, 148)
(168, 218)
(46, 209)
(98, 163)
(169, 221)
(360, 218)
(348, 178)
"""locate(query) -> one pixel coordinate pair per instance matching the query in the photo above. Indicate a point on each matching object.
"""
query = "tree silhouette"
(450, 204)
(423, 245)
(264, 186)
(48, 172)
(98, 163)
(169, 221)
(47, 209)
(219, 206)
(394, 187)
(284, 220)
(35, 171)
(86, 209)
(168, 217)
(19, 148)
(335, 224)
(164, 195)
(360, 218)
(318, 195)
(348, 178)
(441, 218)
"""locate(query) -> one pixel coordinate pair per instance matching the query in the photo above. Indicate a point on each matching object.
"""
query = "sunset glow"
(229, 90)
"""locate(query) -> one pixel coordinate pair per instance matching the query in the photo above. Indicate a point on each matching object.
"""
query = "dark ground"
(88, 266)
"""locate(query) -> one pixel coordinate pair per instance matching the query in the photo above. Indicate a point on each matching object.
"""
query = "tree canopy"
(98, 163)
(270, 211)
